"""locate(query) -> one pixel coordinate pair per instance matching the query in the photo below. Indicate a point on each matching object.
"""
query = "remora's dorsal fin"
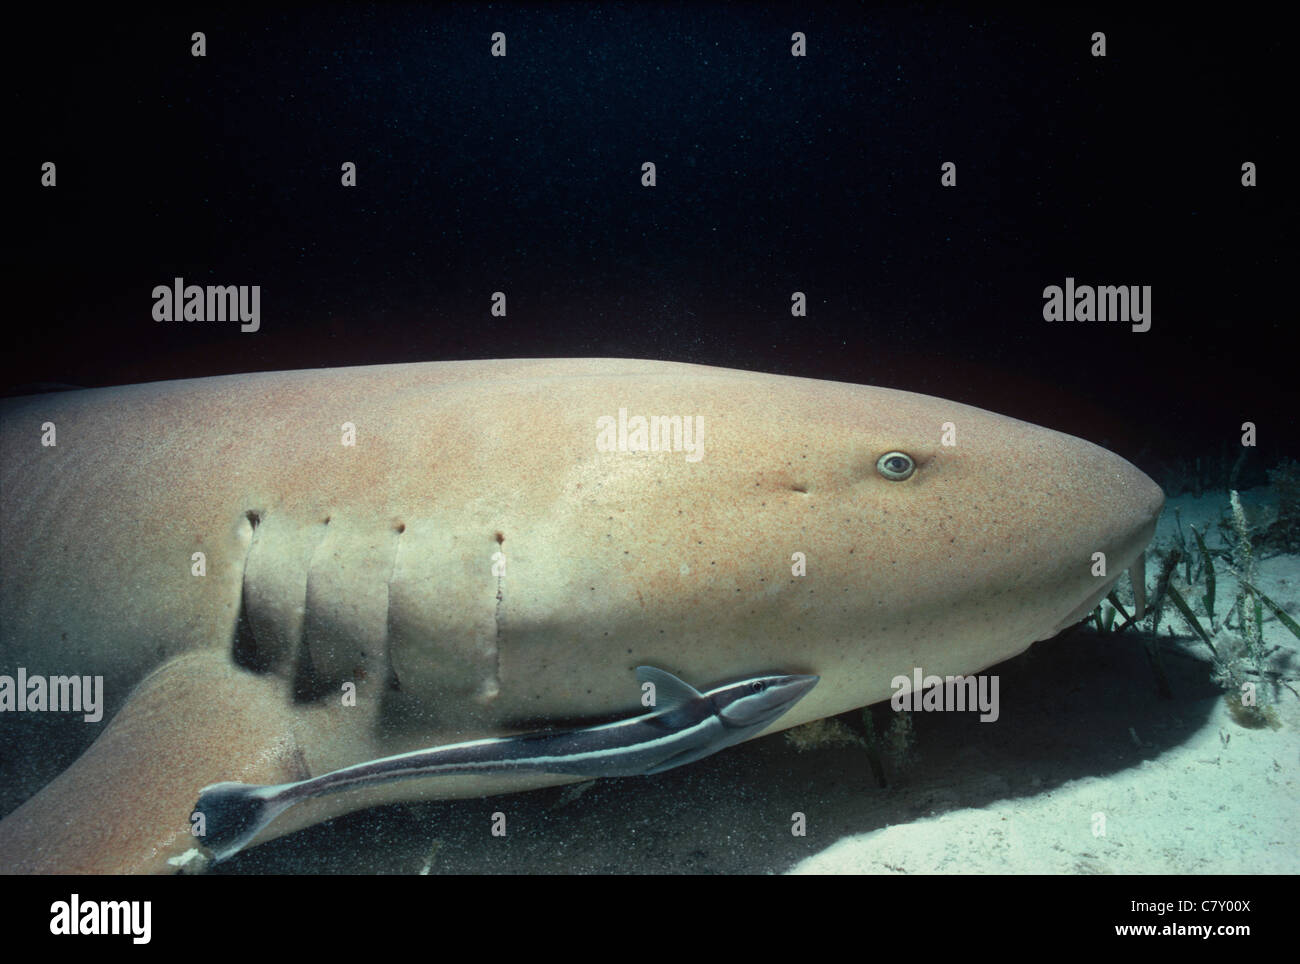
(670, 692)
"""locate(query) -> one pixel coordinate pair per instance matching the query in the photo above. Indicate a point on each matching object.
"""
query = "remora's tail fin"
(234, 813)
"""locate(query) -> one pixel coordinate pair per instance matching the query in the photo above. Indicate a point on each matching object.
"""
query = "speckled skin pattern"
(475, 565)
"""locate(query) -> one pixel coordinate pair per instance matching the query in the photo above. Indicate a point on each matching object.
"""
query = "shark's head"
(752, 704)
(949, 538)
(1038, 523)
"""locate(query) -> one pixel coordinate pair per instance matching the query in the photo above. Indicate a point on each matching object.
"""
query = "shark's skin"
(476, 566)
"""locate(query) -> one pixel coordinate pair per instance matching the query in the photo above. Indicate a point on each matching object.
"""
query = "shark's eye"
(896, 466)
(757, 686)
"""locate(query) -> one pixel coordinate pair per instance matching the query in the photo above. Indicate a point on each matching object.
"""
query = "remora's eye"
(757, 686)
(896, 466)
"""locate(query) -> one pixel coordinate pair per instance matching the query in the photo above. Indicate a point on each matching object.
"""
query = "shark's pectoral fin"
(125, 806)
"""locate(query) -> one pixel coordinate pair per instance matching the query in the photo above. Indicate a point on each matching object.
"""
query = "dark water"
(775, 174)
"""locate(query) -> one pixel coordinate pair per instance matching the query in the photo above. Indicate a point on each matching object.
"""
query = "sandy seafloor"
(1083, 731)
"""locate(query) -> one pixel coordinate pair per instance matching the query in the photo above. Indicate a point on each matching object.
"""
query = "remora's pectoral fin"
(670, 692)
(125, 805)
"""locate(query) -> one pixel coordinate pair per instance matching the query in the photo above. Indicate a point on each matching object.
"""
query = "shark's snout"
(1118, 507)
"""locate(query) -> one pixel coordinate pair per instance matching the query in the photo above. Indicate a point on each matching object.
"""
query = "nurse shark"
(281, 575)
